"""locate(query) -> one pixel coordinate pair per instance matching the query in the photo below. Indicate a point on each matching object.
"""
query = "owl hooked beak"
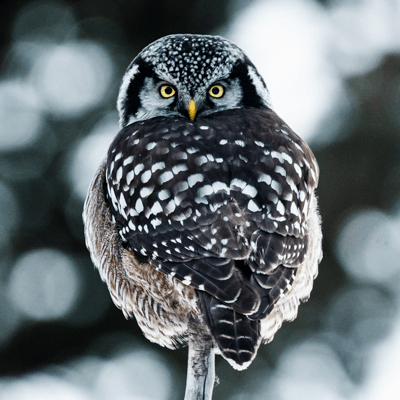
(192, 109)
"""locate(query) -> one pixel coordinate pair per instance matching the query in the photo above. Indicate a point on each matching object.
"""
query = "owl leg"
(201, 364)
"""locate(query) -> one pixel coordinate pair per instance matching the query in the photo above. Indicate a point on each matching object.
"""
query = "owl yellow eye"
(216, 91)
(167, 91)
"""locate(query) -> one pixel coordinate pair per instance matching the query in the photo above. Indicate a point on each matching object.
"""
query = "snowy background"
(333, 71)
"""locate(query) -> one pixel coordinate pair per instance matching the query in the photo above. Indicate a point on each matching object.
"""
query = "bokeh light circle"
(20, 116)
(42, 387)
(368, 246)
(44, 19)
(310, 371)
(44, 284)
(89, 152)
(131, 373)
(72, 78)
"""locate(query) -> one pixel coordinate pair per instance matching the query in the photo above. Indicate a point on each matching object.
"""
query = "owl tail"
(237, 337)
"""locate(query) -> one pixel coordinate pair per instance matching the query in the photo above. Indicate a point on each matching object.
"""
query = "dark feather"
(236, 336)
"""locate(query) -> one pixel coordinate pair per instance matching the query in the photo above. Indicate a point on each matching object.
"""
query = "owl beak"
(192, 109)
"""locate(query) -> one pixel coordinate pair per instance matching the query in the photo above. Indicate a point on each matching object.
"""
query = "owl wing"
(220, 204)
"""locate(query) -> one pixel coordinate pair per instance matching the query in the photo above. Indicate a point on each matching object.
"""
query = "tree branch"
(201, 366)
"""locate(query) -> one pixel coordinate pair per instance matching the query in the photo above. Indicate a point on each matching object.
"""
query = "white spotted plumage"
(216, 209)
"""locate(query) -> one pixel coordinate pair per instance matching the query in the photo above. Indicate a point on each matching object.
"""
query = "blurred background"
(333, 70)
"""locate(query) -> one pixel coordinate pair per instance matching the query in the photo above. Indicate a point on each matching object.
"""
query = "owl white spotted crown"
(193, 60)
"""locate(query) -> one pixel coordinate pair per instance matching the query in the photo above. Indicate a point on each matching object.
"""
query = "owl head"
(189, 76)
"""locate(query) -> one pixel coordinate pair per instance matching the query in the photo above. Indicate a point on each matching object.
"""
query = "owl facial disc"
(190, 66)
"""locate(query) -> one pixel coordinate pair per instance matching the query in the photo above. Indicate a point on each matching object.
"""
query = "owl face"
(189, 76)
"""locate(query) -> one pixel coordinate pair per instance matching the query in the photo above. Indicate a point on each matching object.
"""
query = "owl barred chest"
(206, 186)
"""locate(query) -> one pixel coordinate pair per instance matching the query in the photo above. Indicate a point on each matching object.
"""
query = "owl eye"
(167, 91)
(216, 91)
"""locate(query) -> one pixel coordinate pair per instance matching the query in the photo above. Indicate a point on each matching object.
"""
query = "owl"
(203, 217)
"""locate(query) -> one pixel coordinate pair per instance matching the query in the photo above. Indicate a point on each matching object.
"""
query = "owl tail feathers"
(236, 336)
